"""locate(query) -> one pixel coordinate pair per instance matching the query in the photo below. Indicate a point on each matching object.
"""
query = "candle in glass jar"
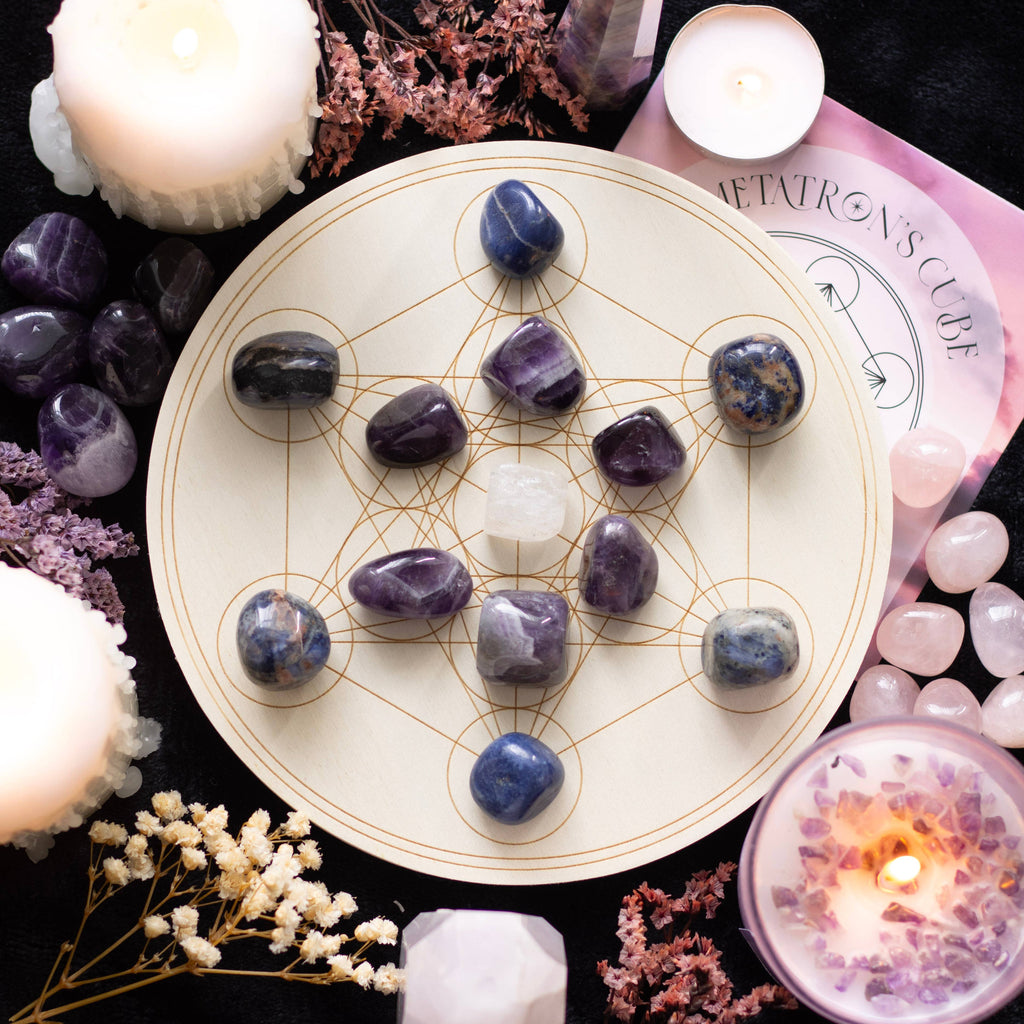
(743, 83)
(883, 875)
(191, 115)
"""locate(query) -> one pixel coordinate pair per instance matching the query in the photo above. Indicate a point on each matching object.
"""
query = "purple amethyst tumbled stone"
(42, 348)
(129, 356)
(515, 777)
(176, 281)
(86, 443)
(419, 583)
(58, 259)
(417, 427)
(285, 370)
(640, 449)
(536, 369)
(519, 234)
(619, 569)
(521, 638)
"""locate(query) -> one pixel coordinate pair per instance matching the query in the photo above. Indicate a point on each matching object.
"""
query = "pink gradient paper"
(939, 253)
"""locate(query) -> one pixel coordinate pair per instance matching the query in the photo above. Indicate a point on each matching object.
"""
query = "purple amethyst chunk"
(176, 281)
(535, 369)
(420, 583)
(619, 568)
(521, 638)
(130, 359)
(419, 426)
(42, 348)
(640, 449)
(518, 232)
(58, 259)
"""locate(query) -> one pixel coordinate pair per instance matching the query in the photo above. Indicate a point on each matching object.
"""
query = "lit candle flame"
(899, 873)
(750, 83)
(185, 45)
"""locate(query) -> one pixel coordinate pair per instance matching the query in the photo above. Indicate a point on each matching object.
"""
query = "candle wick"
(185, 44)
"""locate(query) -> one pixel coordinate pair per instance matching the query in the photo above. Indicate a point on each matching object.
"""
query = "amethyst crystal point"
(282, 640)
(535, 369)
(519, 234)
(419, 426)
(756, 383)
(130, 359)
(421, 583)
(285, 370)
(748, 646)
(57, 259)
(515, 778)
(619, 569)
(42, 348)
(638, 450)
(86, 442)
(176, 281)
(521, 638)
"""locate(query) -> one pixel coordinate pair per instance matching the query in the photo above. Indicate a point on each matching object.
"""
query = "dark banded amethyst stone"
(128, 354)
(42, 348)
(176, 281)
(285, 370)
(419, 583)
(640, 449)
(419, 426)
(619, 569)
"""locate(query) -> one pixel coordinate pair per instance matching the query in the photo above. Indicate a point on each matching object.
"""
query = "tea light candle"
(882, 875)
(743, 84)
(191, 115)
(68, 728)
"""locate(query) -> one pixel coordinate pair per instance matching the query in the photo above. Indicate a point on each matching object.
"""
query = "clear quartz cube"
(525, 503)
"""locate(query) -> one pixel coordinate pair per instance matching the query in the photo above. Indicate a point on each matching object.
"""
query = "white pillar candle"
(192, 115)
(743, 84)
(67, 707)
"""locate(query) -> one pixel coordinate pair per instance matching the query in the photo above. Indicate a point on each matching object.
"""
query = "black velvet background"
(945, 76)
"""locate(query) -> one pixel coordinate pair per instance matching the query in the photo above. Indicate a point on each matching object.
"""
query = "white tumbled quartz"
(525, 503)
(883, 690)
(476, 966)
(921, 637)
(951, 701)
(966, 551)
(996, 615)
(1002, 714)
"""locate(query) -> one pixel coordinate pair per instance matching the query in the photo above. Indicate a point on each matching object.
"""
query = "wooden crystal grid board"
(655, 274)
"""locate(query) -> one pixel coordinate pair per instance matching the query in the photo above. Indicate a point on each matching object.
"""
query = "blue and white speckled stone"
(756, 383)
(750, 646)
(282, 640)
(515, 778)
(521, 638)
(520, 235)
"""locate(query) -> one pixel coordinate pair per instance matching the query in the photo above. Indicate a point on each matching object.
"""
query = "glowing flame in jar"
(185, 45)
(899, 874)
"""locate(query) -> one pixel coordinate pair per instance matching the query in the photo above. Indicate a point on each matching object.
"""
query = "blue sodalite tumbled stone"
(536, 369)
(282, 639)
(128, 354)
(756, 383)
(285, 370)
(419, 583)
(521, 638)
(640, 449)
(42, 348)
(419, 426)
(86, 443)
(58, 259)
(176, 281)
(619, 568)
(519, 234)
(749, 646)
(515, 778)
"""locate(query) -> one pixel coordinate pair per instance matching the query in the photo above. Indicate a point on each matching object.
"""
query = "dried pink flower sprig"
(675, 976)
(40, 530)
(202, 888)
(460, 78)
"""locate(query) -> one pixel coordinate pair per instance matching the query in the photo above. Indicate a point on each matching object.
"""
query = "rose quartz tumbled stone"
(922, 638)
(926, 464)
(951, 701)
(1002, 714)
(996, 615)
(883, 690)
(966, 551)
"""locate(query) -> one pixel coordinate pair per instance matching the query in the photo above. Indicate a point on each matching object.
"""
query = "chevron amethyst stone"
(285, 370)
(176, 281)
(515, 778)
(520, 235)
(419, 583)
(419, 426)
(521, 638)
(58, 259)
(619, 568)
(640, 449)
(282, 639)
(536, 370)
(129, 356)
(42, 348)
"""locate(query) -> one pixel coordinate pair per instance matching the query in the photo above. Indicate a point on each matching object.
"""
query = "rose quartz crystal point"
(951, 701)
(966, 551)
(926, 464)
(922, 638)
(996, 615)
(883, 690)
(1002, 714)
